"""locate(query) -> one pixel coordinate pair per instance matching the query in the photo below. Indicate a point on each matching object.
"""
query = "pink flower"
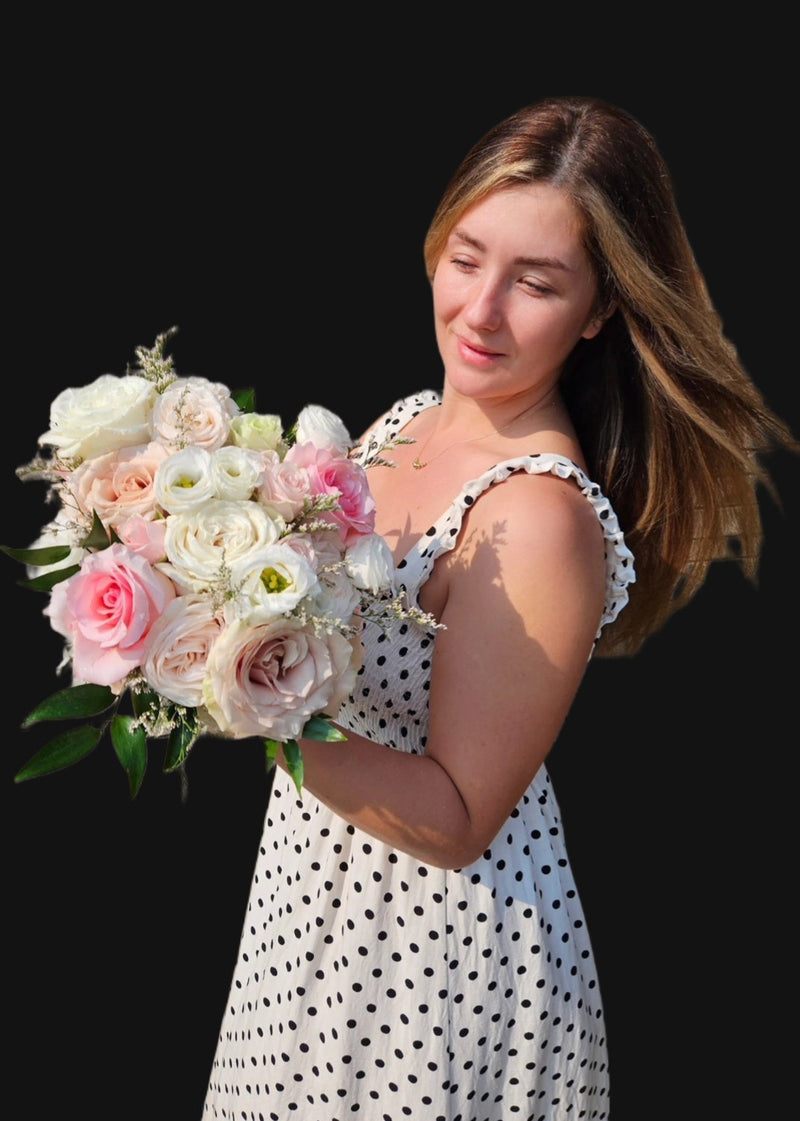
(120, 483)
(106, 612)
(144, 537)
(269, 678)
(331, 473)
(178, 647)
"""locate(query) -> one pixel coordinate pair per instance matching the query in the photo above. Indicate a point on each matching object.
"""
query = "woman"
(415, 945)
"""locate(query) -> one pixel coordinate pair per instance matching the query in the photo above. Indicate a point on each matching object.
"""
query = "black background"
(269, 195)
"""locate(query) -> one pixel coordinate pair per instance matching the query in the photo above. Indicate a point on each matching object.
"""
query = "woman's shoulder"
(394, 419)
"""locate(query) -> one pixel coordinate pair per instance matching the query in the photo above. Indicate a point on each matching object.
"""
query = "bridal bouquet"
(210, 572)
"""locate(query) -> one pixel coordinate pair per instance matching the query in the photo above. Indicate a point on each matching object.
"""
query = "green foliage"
(245, 399)
(61, 752)
(67, 704)
(130, 744)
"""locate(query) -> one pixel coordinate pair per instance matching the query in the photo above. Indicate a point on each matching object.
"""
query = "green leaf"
(320, 728)
(48, 580)
(272, 752)
(130, 744)
(47, 554)
(294, 763)
(69, 704)
(179, 743)
(144, 700)
(245, 399)
(61, 752)
(97, 537)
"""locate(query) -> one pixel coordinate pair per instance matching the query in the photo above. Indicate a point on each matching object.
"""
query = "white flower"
(185, 480)
(259, 431)
(237, 472)
(318, 425)
(273, 583)
(335, 596)
(194, 411)
(216, 543)
(111, 412)
(178, 648)
(370, 564)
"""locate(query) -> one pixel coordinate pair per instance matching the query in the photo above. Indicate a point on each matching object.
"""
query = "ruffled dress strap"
(417, 565)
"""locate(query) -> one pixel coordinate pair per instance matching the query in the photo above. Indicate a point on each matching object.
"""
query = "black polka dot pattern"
(371, 986)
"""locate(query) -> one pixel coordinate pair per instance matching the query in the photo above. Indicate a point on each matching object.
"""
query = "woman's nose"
(484, 309)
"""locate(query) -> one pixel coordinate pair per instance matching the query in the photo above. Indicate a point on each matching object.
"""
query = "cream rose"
(120, 484)
(111, 412)
(178, 647)
(194, 411)
(217, 539)
(268, 679)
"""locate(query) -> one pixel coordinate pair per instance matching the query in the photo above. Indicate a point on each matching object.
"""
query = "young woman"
(415, 945)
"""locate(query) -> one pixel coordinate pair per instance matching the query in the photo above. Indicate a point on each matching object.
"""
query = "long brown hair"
(672, 425)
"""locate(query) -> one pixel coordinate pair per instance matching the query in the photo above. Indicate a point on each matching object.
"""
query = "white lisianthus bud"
(319, 426)
(236, 471)
(110, 413)
(259, 431)
(185, 480)
(370, 565)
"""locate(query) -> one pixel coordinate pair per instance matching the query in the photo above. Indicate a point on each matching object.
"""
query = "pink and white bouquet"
(208, 570)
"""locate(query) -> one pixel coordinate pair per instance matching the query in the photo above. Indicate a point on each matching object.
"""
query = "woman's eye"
(536, 286)
(462, 263)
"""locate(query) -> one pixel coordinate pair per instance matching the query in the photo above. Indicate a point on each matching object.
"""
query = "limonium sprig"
(209, 571)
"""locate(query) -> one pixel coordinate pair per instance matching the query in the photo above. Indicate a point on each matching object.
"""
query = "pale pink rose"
(330, 473)
(106, 611)
(194, 411)
(144, 536)
(119, 484)
(177, 649)
(285, 486)
(268, 679)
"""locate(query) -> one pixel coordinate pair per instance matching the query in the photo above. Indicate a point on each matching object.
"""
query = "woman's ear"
(595, 324)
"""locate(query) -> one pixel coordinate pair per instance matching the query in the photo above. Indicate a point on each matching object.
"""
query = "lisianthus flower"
(237, 472)
(185, 480)
(272, 583)
(318, 425)
(370, 565)
(258, 431)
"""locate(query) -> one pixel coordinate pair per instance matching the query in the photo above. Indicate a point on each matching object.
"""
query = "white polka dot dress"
(372, 987)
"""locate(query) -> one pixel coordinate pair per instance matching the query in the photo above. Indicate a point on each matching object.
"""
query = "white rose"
(259, 431)
(237, 472)
(185, 480)
(370, 564)
(217, 539)
(194, 411)
(110, 413)
(178, 647)
(272, 584)
(319, 426)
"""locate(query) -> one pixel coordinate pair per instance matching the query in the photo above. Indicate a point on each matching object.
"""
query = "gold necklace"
(418, 464)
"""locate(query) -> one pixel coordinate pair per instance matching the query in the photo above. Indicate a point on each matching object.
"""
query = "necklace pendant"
(415, 463)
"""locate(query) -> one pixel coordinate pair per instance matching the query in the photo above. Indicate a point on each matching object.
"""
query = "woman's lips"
(477, 354)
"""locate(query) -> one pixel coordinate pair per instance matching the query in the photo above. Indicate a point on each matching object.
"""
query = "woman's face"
(513, 292)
